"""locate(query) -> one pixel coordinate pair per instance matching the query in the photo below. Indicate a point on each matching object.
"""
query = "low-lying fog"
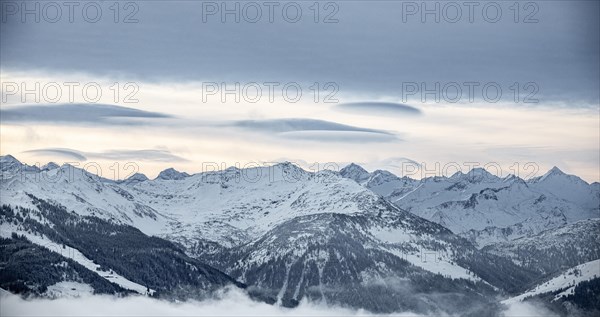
(229, 302)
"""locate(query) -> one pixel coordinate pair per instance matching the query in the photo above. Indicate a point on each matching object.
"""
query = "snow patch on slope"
(567, 281)
(69, 289)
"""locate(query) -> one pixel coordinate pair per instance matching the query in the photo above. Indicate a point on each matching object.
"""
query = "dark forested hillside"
(28, 269)
(149, 261)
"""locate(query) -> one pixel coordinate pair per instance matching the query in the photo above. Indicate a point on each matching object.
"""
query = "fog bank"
(229, 302)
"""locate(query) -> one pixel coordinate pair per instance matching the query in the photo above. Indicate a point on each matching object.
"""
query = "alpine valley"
(467, 245)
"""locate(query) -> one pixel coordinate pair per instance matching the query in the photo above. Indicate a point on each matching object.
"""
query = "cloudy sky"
(177, 83)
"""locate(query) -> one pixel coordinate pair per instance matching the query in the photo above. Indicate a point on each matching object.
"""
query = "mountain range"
(457, 245)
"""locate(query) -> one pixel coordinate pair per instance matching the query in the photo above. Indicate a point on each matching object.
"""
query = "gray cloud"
(316, 130)
(111, 115)
(378, 108)
(78, 113)
(398, 162)
(144, 155)
(372, 50)
(340, 136)
(59, 153)
(301, 124)
(119, 155)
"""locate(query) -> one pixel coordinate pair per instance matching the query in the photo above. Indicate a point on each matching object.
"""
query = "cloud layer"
(229, 302)
(117, 155)
(375, 108)
(93, 114)
(372, 48)
(104, 115)
(301, 124)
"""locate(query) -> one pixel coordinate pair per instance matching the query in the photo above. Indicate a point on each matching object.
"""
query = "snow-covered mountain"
(377, 262)
(381, 182)
(354, 238)
(554, 249)
(135, 178)
(567, 187)
(48, 246)
(11, 167)
(172, 174)
(485, 208)
(76, 189)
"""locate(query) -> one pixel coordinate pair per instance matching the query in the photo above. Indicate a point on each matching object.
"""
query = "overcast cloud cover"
(368, 54)
(369, 50)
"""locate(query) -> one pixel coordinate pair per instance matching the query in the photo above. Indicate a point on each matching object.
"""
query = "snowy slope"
(79, 190)
(235, 206)
(567, 187)
(69, 289)
(564, 282)
(341, 258)
(228, 208)
(111, 251)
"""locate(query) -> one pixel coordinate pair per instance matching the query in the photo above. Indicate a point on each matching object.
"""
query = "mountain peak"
(137, 177)
(476, 174)
(383, 174)
(287, 165)
(555, 171)
(552, 173)
(556, 175)
(9, 163)
(287, 171)
(354, 167)
(512, 178)
(8, 159)
(355, 172)
(172, 174)
(479, 170)
(50, 166)
(479, 174)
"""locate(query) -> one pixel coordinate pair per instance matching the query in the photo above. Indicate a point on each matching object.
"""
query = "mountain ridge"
(292, 234)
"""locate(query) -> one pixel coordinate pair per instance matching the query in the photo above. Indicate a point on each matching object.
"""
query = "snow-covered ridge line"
(484, 208)
(566, 281)
(247, 172)
(225, 204)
